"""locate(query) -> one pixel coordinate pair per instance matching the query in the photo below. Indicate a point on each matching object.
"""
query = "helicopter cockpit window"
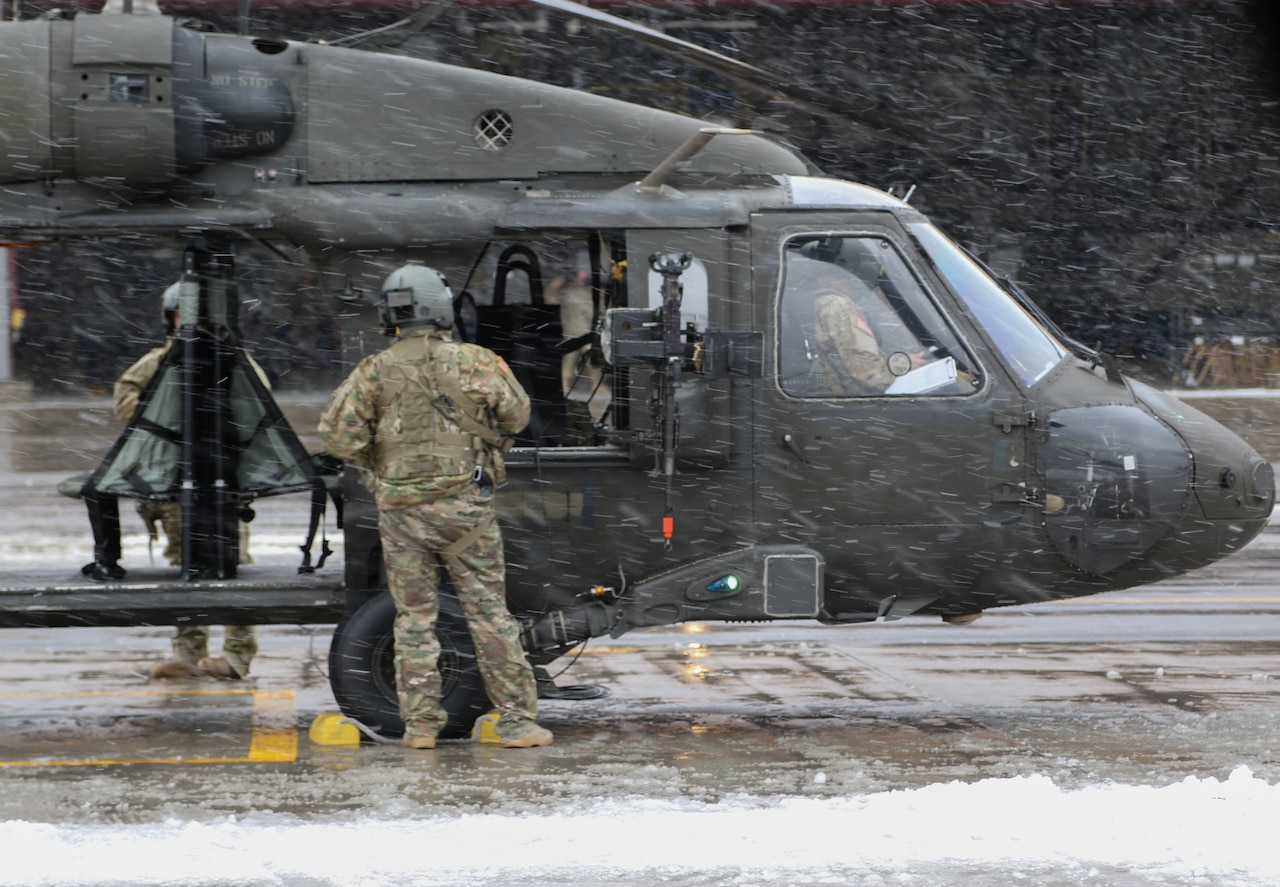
(855, 322)
(1030, 350)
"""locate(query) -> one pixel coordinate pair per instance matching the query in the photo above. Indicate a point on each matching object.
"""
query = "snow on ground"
(1024, 830)
(1208, 393)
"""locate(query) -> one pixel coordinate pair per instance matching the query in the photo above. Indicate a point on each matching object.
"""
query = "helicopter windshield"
(854, 321)
(1030, 350)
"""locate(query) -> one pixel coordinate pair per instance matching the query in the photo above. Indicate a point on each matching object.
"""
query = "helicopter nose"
(1121, 484)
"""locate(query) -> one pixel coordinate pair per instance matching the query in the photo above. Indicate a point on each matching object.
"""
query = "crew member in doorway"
(429, 418)
(583, 382)
(190, 642)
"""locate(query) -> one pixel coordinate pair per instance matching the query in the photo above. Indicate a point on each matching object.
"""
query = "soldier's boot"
(239, 648)
(217, 667)
(103, 572)
(420, 734)
(174, 668)
(535, 737)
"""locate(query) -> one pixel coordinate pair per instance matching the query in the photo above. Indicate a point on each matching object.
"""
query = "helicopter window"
(693, 302)
(855, 322)
(536, 306)
(1030, 350)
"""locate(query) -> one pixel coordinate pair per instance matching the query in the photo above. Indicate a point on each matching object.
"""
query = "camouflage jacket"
(129, 386)
(349, 426)
(850, 361)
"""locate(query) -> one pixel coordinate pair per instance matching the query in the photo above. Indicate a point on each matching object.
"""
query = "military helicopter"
(700, 449)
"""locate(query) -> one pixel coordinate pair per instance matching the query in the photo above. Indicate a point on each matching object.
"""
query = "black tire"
(363, 676)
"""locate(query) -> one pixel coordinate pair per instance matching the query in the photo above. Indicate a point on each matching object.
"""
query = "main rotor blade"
(746, 75)
(403, 29)
(822, 103)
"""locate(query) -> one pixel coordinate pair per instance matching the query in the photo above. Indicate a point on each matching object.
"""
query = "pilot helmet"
(413, 295)
(862, 257)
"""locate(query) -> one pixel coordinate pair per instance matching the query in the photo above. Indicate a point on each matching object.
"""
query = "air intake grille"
(494, 130)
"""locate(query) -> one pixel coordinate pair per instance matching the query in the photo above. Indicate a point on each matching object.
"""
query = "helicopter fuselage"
(702, 448)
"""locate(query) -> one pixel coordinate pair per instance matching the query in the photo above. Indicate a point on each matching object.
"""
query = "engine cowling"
(132, 100)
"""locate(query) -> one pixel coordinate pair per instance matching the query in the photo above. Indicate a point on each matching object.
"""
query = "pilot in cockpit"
(850, 359)
(853, 322)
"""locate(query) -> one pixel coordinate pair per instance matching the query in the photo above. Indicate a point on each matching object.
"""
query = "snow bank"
(1199, 831)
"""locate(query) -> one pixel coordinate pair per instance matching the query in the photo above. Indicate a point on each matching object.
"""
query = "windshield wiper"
(1081, 350)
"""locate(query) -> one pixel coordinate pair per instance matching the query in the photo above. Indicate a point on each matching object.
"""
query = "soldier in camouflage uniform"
(850, 360)
(426, 418)
(190, 642)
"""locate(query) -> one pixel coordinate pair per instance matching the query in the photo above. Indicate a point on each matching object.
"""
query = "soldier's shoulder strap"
(467, 413)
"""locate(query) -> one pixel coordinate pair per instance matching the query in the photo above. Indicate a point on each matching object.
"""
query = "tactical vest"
(421, 429)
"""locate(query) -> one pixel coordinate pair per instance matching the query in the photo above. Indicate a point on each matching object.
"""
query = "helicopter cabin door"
(890, 440)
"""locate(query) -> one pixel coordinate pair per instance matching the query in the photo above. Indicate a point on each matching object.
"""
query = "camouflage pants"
(169, 516)
(414, 543)
(239, 645)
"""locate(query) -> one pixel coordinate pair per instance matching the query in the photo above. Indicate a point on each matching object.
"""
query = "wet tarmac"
(1146, 692)
(1144, 687)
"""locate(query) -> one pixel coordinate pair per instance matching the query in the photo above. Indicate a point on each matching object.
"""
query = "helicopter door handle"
(789, 441)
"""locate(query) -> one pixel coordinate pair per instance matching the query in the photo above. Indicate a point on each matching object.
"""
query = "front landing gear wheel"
(363, 675)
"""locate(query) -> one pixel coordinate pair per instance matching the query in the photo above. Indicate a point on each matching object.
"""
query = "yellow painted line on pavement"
(274, 738)
(72, 694)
